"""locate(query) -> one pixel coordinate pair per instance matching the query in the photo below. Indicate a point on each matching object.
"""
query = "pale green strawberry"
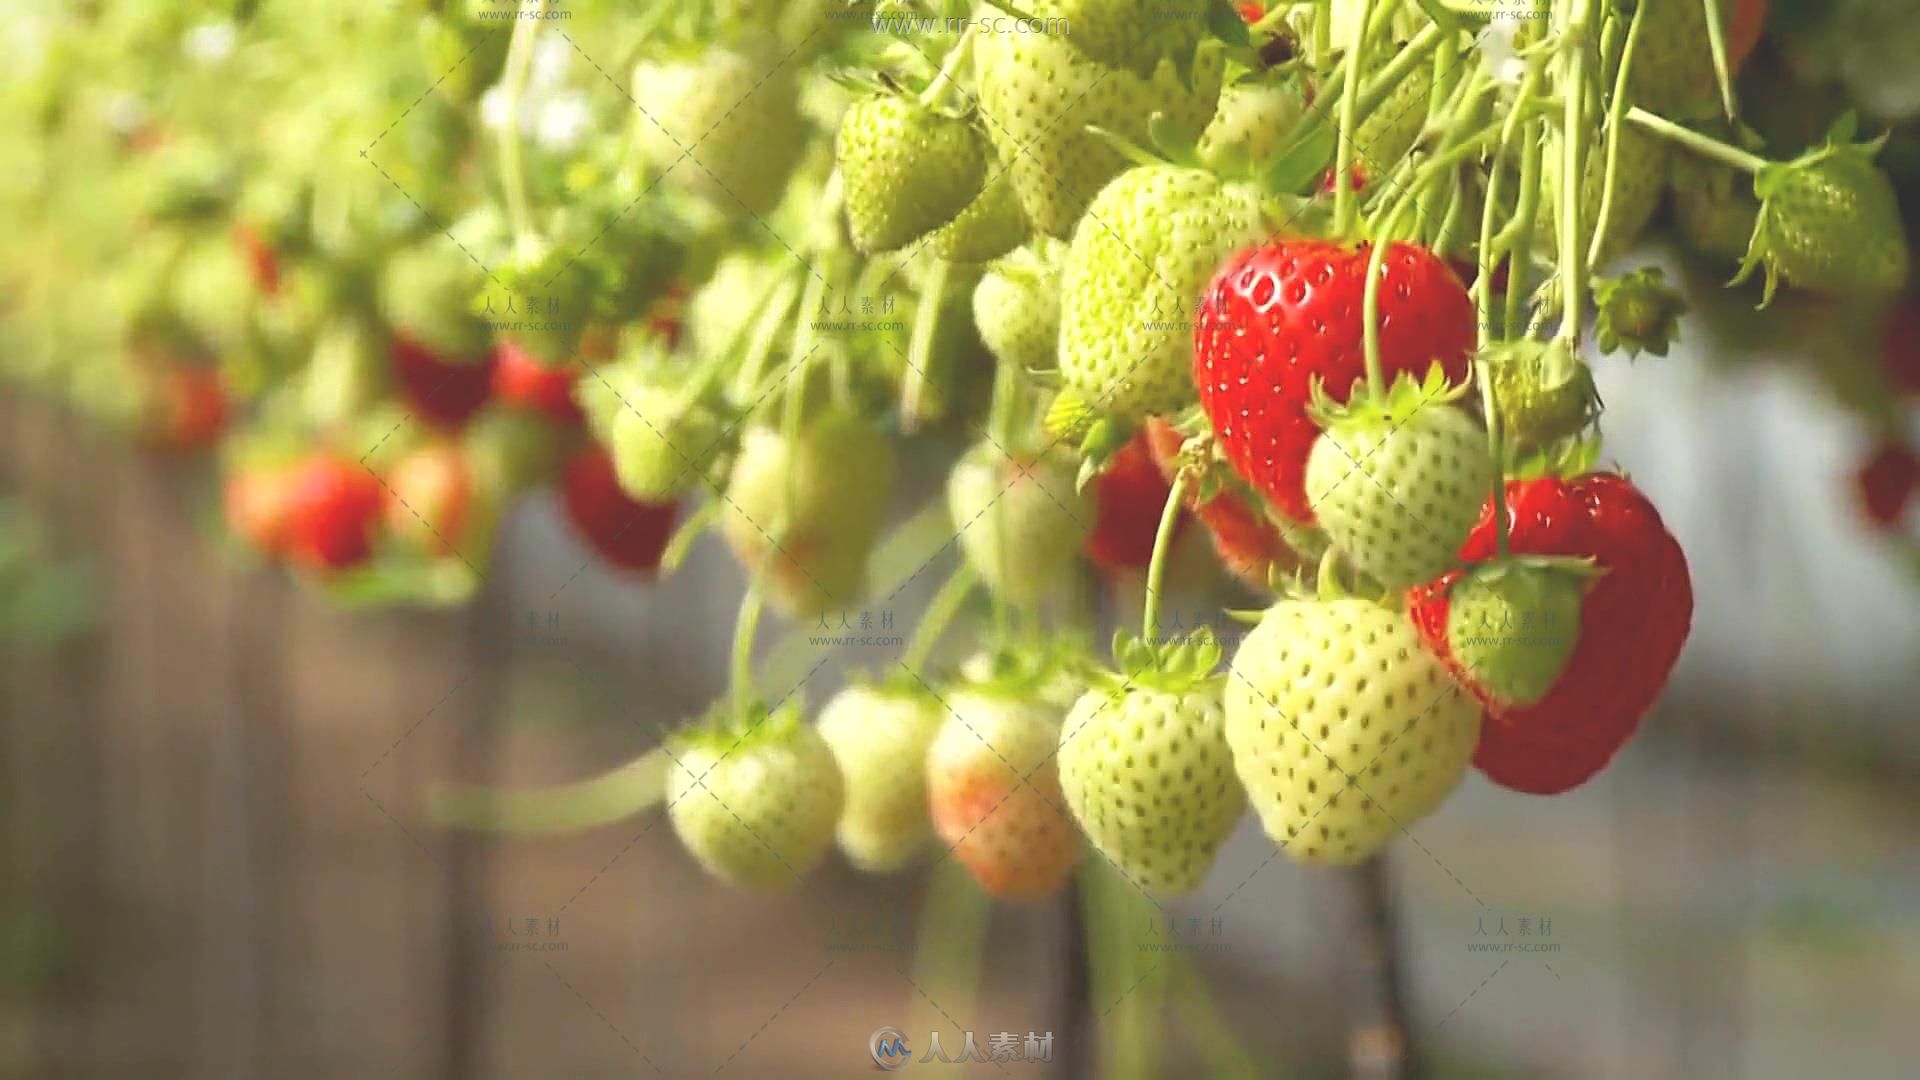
(907, 169)
(1255, 121)
(724, 125)
(1131, 35)
(1673, 63)
(1542, 391)
(1640, 181)
(1387, 133)
(811, 511)
(1037, 96)
(880, 736)
(1830, 223)
(1512, 624)
(993, 787)
(1398, 483)
(1016, 307)
(662, 443)
(1345, 730)
(1145, 766)
(990, 226)
(756, 808)
(1132, 281)
(1021, 519)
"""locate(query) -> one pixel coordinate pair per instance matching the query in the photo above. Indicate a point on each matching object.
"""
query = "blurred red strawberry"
(1887, 483)
(1129, 498)
(628, 533)
(262, 264)
(433, 495)
(333, 506)
(520, 381)
(1900, 346)
(443, 392)
(190, 408)
(257, 500)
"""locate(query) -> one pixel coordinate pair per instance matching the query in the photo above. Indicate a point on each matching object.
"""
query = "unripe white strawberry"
(880, 736)
(1345, 730)
(757, 808)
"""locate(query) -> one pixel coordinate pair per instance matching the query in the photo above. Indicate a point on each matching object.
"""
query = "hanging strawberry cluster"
(1300, 301)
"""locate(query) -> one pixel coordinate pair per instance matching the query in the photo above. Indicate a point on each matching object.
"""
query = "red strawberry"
(191, 408)
(1247, 544)
(1129, 498)
(1633, 624)
(629, 534)
(445, 393)
(333, 505)
(1888, 481)
(432, 507)
(520, 381)
(1900, 347)
(1277, 317)
(257, 501)
(1251, 12)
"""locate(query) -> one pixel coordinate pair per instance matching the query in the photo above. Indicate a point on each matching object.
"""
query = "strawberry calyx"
(1566, 459)
(724, 730)
(1406, 396)
(1513, 623)
(1638, 313)
(1542, 392)
(1173, 664)
(1774, 179)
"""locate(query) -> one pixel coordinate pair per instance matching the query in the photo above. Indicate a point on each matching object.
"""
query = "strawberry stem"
(1704, 145)
(939, 614)
(944, 81)
(1616, 117)
(1520, 263)
(1573, 163)
(1497, 451)
(746, 625)
(602, 800)
(1343, 201)
(1370, 307)
(1157, 563)
(513, 172)
(1322, 33)
(926, 323)
(1717, 42)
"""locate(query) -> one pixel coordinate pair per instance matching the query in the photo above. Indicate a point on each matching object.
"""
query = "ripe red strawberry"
(442, 392)
(333, 506)
(1247, 543)
(1887, 482)
(521, 382)
(631, 535)
(1279, 316)
(435, 508)
(262, 263)
(1633, 624)
(1900, 347)
(1128, 498)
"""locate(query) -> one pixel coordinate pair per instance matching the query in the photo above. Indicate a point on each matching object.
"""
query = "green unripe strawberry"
(1146, 769)
(1512, 625)
(1640, 181)
(1637, 313)
(1345, 730)
(993, 787)
(1133, 277)
(880, 736)
(1016, 307)
(1389, 131)
(663, 444)
(1042, 93)
(1542, 391)
(723, 125)
(426, 294)
(990, 226)
(1021, 519)
(1255, 121)
(757, 809)
(1398, 483)
(1133, 36)
(1829, 222)
(1714, 210)
(907, 170)
(809, 510)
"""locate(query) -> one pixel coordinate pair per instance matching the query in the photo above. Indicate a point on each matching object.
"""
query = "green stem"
(604, 799)
(1573, 161)
(746, 625)
(1343, 201)
(1322, 33)
(1391, 74)
(939, 614)
(926, 323)
(1497, 451)
(1157, 564)
(1219, 1048)
(1520, 261)
(1704, 145)
(1717, 42)
(513, 172)
(946, 81)
(1370, 306)
(1616, 120)
(1489, 258)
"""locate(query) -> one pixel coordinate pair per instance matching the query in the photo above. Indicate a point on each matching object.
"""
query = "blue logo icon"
(888, 1045)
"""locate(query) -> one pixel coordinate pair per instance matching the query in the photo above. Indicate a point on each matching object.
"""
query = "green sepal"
(1406, 396)
(1125, 147)
(1637, 313)
(1172, 665)
(1104, 438)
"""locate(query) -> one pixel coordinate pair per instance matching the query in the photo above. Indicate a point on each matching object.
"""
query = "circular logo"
(888, 1045)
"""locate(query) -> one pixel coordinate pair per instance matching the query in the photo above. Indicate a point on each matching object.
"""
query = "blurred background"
(219, 862)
